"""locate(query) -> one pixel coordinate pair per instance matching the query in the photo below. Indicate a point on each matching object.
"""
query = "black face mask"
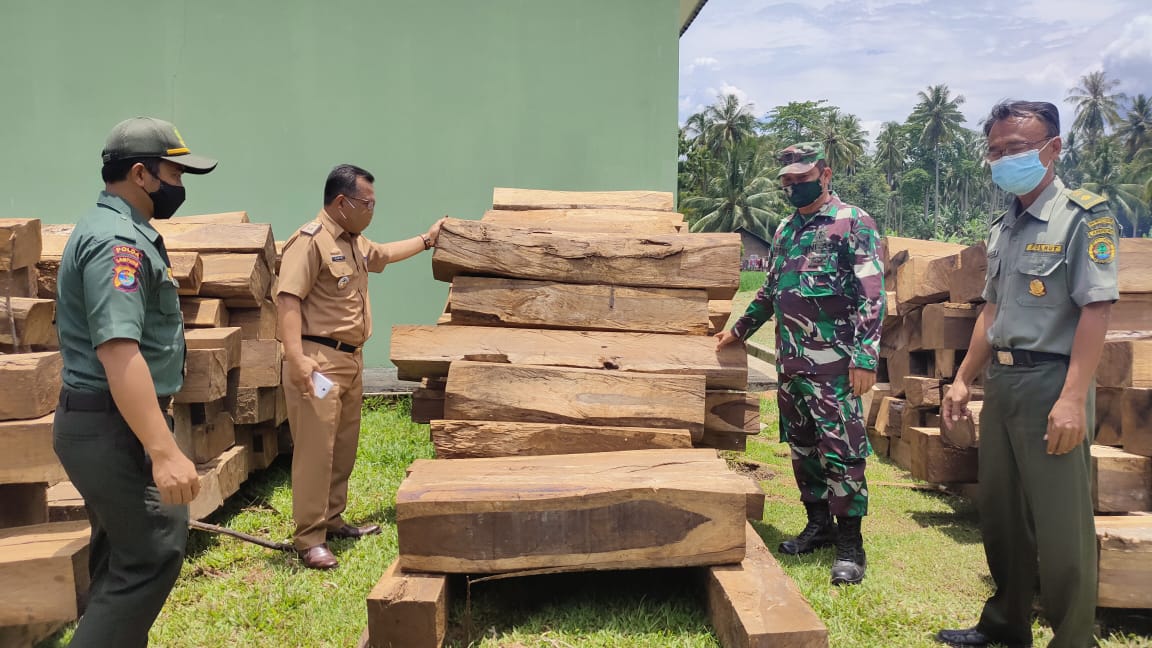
(166, 200)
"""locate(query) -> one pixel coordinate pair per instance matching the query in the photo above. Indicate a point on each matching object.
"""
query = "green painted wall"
(441, 99)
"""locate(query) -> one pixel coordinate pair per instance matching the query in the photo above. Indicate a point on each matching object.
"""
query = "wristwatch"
(427, 241)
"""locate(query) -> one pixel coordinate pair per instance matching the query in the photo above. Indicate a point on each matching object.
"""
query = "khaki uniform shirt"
(1047, 262)
(327, 268)
(115, 282)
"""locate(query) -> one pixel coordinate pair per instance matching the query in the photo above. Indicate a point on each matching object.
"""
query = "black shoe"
(820, 531)
(973, 638)
(851, 561)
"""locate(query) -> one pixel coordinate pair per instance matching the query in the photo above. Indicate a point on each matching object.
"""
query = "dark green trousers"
(137, 542)
(1035, 510)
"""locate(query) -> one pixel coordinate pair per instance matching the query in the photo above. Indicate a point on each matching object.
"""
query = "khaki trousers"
(325, 432)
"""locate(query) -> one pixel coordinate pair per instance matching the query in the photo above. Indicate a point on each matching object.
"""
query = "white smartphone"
(321, 385)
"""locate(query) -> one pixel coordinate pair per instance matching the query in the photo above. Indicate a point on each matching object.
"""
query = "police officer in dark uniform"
(122, 342)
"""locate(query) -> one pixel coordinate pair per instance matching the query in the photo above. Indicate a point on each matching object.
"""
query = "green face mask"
(803, 194)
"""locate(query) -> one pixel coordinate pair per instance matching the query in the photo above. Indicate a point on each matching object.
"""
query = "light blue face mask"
(1019, 174)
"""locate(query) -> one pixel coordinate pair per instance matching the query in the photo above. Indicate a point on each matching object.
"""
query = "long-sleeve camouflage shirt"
(825, 285)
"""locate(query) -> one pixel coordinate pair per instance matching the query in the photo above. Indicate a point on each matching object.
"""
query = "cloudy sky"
(871, 57)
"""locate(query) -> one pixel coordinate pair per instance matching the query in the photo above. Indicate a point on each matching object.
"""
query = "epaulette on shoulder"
(311, 228)
(125, 229)
(999, 217)
(1086, 199)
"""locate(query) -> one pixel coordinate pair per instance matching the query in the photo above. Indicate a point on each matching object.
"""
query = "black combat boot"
(850, 561)
(820, 532)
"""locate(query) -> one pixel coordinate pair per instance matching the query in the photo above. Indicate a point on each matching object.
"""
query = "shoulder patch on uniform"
(1102, 250)
(126, 268)
(1086, 199)
(311, 228)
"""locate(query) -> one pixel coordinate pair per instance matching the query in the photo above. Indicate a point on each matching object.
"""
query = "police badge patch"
(1036, 288)
(125, 266)
(1102, 250)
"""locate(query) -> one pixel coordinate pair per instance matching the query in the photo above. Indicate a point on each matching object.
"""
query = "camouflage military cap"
(800, 158)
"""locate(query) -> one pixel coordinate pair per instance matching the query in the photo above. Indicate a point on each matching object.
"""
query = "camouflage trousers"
(823, 423)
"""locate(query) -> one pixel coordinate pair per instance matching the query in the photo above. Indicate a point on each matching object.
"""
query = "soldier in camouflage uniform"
(824, 284)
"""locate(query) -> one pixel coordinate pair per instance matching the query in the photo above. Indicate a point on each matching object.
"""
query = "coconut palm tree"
(745, 194)
(843, 138)
(1106, 176)
(1135, 128)
(938, 118)
(890, 152)
(729, 122)
(1096, 105)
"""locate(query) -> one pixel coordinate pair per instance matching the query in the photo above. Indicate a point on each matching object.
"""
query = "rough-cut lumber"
(924, 280)
(890, 420)
(419, 351)
(719, 312)
(20, 242)
(1109, 416)
(53, 239)
(1125, 560)
(900, 451)
(23, 504)
(1132, 265)
(408, 610)
(936, 462)
(28, 636)
(43, 571)
(965, 433)
(27, 454)
(880, 444)
(227, 338)
(609, 510)
(922, 392)
(894, 245)
(260, 363)
(29, 384)
(427, 404)
(732, 412)
(756, 605)
(966, 284)
(1136, 420)
(521, 199)
(34, 321)
(911, 417)
(241, 280)
(188, 271)
(610, 221)
(205, 377)
(947, 326)
(254, 405)
(948, 361)
(707, 261)
(230, 218)
(230, 238)
(203, 430)
(204, 312)
(220, 478)
(255, 323)
(489, 391)
(737, 442)
(65, 503)
(471, 439)
(1125, 362)
(262, 443)
(1121, 481)
(22, 282)
(488, 301)
(1133, 312)
(875, 401)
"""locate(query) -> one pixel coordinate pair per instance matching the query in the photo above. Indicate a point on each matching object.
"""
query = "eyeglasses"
(993, 154)
(370, 205)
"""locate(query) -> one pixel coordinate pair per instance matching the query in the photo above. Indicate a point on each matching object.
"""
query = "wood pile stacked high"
(572, 385)
(923, 343)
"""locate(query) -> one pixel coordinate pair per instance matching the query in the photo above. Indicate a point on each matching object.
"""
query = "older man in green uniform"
(122, 341)
(1050, 288)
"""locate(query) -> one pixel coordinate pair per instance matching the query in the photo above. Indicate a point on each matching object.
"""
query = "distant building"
(755, 250)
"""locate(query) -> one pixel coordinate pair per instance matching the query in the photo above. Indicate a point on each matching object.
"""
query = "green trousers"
(137, 543)
(1035, 510)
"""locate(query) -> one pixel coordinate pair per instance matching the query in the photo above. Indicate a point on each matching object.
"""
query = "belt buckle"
(1005, 358)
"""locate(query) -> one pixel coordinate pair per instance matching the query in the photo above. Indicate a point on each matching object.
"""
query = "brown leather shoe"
(349, 531)
(318, 557)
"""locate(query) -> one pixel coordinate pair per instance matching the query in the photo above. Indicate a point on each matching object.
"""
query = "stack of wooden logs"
(575, 375)
(934, 299)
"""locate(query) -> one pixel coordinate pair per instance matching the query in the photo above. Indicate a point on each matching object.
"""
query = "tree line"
(925, 177)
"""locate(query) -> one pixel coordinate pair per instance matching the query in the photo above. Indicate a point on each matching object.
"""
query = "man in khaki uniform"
(1050, 287)
(325, 319)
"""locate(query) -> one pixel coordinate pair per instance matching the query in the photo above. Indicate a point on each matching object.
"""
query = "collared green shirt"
(115, 282)
(1045, 263)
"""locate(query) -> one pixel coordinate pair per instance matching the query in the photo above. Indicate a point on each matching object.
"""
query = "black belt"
(1020, 357)
(97, 401)
(329, 342)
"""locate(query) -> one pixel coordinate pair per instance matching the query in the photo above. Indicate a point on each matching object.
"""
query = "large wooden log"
(719, 312)
(521, 199)
(966, 284)
(732, 412)
(924, 280)
(20, 242)
(1136, 420)
(29, 384)
(756, 605)
(53, 240)
(65, 503)
(203, 430)
(934, 461)
(205, 378)
(408, 610)
(1133, 312)
(27, 454)
(262, 444)
(419, 351)
(947, 326)
(241, 280)
(255, 323)
(611, 510)
(23, 504)
(472, 439)
(43, 572)
(227, 338)
(427, 404)
(230, 218)
(220, 479)
(609, 221)
(922, 392)
(1125, 362)
(188, 271)
(707, 261)
(895, 250)
(487, 301)
(875, 403)
(1109, 416)
(1121, 481)
(260, 362)
(255, 405)
(1125, 544)
(22, 282)
(488, 391)
(965, 433)
(227, 238)
(34, 321)
(204, 312)
(1132, 265)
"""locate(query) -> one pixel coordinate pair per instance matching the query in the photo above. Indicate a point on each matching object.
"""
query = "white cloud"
(703, 63)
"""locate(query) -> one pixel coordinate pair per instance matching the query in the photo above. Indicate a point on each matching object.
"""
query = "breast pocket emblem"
(342, 283)
(1036, 288)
